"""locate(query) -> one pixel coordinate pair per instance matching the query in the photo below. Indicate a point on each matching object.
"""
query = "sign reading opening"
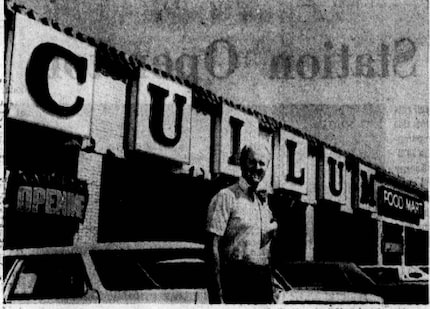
(42, 194)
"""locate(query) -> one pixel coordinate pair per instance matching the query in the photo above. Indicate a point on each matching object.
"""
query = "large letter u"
(332, 174)
(156, 116)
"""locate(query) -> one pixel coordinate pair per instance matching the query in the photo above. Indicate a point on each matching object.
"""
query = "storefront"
(142, 152)
(40, 163)
(144, 200)
(403, 240)
(46, 200)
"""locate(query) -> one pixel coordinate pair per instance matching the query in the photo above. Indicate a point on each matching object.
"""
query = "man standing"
(241, 226)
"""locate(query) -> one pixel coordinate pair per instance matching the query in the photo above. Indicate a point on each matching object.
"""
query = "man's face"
(254, 167)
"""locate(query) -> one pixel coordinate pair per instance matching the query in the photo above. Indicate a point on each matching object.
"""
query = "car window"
(315, 276)
(424, 269)
(359, 281)
(7, 264)
(120, 272)
(50, 276)
(383, 275)
(179, 274)
(140, 271)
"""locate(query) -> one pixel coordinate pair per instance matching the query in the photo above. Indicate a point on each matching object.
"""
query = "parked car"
(324, 283)
(400, 284)
(149, 272)
(145, 272)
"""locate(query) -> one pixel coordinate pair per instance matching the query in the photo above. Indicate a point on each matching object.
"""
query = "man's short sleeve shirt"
(242, 221)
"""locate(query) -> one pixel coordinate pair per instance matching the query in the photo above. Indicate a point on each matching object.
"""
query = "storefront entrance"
(142, 199)
(36, 152)
(341, 236)
(392, 244)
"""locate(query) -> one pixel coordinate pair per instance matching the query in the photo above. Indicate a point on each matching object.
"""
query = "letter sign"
(294, 156)
(399, 205)
(366, 188)
(233, 131)
(52, 78)
(46, 195)
(334, 177)
(163, 117)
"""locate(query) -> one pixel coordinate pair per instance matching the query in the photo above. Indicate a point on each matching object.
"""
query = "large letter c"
(37, 77)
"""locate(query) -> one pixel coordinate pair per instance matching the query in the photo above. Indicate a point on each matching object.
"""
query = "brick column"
(90, 170)
(380, 236)
(310, 233)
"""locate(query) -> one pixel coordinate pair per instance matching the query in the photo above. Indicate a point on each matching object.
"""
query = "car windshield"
(329, 277)
(49, 276)
(121, 271)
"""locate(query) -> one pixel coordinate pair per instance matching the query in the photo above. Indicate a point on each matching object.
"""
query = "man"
(241, 226)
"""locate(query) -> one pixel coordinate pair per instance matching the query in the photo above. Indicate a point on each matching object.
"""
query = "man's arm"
(214, 268)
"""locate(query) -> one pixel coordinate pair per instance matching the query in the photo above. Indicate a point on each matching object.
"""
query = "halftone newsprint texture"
(122, 119)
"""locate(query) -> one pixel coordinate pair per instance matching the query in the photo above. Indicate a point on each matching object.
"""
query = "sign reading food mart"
(52, 77)
(398, 205)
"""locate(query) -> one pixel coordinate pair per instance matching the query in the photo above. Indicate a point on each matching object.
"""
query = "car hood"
(326, 297)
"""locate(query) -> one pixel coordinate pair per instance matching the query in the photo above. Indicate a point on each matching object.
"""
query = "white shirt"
(242, 221)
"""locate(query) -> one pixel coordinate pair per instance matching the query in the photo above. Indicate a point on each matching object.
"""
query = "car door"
(53, 278)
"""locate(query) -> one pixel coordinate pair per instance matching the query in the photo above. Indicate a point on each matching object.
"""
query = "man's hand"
(273, 227)
(269, 233)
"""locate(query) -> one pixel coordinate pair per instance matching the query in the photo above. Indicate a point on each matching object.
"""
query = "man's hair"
(256, 146)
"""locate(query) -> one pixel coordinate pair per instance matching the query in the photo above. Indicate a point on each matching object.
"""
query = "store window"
(341, 236)
(143, 199)
(290, 241)
(37, 151)
(392, 244)
(416, 248)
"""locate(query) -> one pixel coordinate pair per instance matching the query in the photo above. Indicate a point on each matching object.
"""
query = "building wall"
(90, 170)
(107, 129)
(108, 115)
(282, 54)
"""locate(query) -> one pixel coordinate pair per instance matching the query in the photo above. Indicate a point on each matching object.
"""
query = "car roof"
(145, 245)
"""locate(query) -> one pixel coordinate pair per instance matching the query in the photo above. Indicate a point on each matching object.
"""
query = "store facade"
(136, 154)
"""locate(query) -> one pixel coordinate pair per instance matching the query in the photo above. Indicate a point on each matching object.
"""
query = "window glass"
(53, 276)
(383, 275)
(7, 264)
(425, 269)
(179, 274)
(315, 276)
(359, 281)
(148, 270)
(118, 271)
